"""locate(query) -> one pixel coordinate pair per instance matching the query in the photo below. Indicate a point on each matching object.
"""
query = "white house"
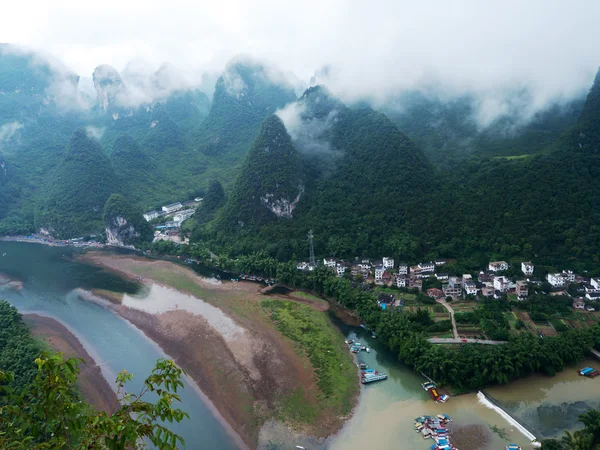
(441, 276)
(340, 269)
(388, 263)
(501, 284)
(568, 276)
(440, 262)
(379, 271)
(466, 277)
(184, 215)
(527, 268)
(151, 215)
(330, 262)
(303, 266)
(401, 281)
(365, 264)
(497, 266)
(427, 267)
(595, 282)
(470, 288)
(172, 207)
(555, 279)
(403, 269)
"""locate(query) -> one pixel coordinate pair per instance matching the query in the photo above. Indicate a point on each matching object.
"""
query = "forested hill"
(271, 183)
(244, 96)
(449, 132)
(545, 205)
(363, 179)
(73, 199)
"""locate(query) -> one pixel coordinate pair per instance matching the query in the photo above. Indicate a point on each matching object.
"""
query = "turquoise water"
(49, 275)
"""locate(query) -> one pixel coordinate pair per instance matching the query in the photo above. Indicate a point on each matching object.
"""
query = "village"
(168, 221)
(456, 297)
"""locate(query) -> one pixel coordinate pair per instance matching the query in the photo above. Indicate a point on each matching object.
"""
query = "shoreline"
(93, 385)
(251, 374)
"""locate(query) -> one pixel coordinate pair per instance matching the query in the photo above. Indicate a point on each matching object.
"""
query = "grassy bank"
(335, 372)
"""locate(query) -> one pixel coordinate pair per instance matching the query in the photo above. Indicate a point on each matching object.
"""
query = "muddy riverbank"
(92, 384)
(254, 373)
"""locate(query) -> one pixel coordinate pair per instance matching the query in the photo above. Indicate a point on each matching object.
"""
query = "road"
(451, 311)
(464, 341)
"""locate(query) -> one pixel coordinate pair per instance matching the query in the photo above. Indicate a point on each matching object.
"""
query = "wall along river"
(383, 417)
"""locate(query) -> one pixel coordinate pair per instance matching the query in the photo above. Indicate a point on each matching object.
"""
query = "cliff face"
(108, 84)
(124, 224)
(119, 232)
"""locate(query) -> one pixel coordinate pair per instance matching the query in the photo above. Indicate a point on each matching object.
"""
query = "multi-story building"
(527, 268)
(379, 270)
(151, 215)
(330, 262)
(501, 284)
(402, 269)
(555, 279)
(388, 263)
(453, 288)
(470, 288)
(522, 290)
(568, 276)
(401, 281)
(497, 266)
(172, 207)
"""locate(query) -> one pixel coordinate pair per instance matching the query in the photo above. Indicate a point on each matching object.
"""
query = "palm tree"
(577, 441)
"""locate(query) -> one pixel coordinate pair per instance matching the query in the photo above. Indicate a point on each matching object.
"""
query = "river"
(49, 276)
(383, 417)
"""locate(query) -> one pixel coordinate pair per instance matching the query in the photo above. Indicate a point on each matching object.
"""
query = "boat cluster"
(356, 346)
(435, 428)
(589, 372)
(269, 281)
(369, 375)
(434, 393)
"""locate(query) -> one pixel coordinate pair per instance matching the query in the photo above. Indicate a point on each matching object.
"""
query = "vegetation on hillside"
(270, 184)
(212, 201)
(126, 222)
(40, 407)
(74, 197)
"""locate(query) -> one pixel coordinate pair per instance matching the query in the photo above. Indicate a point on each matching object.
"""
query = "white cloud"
(377, 48)
(9, 131)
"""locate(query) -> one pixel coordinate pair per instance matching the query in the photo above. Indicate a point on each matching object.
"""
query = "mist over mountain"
(244, 96)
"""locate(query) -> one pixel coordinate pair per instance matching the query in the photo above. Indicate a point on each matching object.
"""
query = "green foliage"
(213, 200)
(244, 96)
(74, 197)
(18, 348)
(586, 439)
(126, 222)
(271, 179)
(49, 415)
(308, 328)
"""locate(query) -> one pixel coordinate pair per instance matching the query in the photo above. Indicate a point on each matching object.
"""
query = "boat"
(513, 447)
(593, 374)
(370, 378)
(362, 365)
(427, 385)
(368, 350)
(586, 370)
(349, 341)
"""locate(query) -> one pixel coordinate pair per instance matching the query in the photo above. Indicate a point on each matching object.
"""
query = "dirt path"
(221, 335)
(451, 311)
(93, 386)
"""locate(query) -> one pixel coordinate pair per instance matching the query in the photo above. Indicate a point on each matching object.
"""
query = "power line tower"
(311, 259)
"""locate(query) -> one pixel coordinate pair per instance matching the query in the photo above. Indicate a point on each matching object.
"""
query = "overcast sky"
(377, 47)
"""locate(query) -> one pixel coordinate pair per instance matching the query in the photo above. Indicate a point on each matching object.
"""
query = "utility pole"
(312, 262)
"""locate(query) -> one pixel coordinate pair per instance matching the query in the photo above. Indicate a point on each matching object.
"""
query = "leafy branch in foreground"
(48, 413)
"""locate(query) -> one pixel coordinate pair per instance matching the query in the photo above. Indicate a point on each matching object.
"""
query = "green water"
(49, 275)
(383, 417)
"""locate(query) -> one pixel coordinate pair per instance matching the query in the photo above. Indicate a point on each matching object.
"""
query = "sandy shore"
(252, 368)
(93, 386)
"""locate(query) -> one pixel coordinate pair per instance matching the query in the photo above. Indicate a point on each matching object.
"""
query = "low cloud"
(309, 134)
(94, 132)
(8, 132)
